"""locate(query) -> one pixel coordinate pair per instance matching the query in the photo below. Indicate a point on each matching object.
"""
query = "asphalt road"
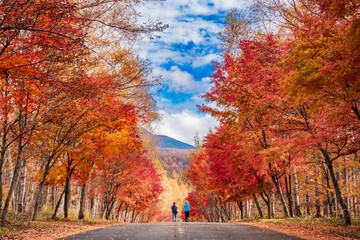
(181, 231)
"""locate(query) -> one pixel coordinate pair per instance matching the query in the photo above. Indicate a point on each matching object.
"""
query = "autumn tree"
(63, 63)
(33, 35)
(288, 97)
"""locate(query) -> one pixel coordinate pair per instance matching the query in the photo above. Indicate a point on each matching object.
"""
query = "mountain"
(166, 142)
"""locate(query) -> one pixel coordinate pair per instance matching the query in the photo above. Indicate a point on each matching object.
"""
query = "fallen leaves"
(49, 229)
(311, 229)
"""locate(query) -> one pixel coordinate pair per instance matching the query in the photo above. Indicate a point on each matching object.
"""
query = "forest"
(175, 161)
(74, 94)
(287, 98)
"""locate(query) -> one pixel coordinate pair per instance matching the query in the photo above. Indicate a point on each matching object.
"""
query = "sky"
(184, 56)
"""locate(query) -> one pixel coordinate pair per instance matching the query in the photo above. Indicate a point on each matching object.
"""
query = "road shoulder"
(310, 229)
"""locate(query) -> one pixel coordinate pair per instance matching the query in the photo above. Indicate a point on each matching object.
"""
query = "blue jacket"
(186, 207)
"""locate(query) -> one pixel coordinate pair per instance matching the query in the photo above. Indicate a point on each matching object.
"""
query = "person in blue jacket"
(187, 210)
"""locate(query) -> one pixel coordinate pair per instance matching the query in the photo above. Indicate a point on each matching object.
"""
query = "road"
(180, 231)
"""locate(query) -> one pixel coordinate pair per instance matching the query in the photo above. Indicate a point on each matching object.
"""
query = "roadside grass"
(48, 228)
(311, 228)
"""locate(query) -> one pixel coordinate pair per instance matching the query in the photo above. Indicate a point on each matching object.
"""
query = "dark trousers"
(187, 215)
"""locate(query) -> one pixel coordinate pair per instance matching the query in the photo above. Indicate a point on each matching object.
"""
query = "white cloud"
(159, 54)
(205, 60)
(184, 125)
(182, 81)
(185, 18)
(175, 8)
(191, 29)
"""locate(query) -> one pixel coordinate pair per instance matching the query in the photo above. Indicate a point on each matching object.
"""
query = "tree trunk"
(289, 194)
(273, 205)
(58, 205)
(96, 207)
(28, 196)
(317, 201)
(258, 206)
(82, 201)
(346, 180)
(67, 198)
(296, 196)
(92, 203)
(240, 204)
(326, 208)
(307, 200)
(14, 179)
(21, 189)
(118, 211)
(339, 197)
(267, 201)
(109, 208)
(246, 208)
(67, 189)
(4, 143)
(281, 195)
(36, 201)
(126, 212)
(133, 215)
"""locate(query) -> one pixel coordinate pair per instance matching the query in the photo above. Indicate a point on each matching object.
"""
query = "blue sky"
(184, 56)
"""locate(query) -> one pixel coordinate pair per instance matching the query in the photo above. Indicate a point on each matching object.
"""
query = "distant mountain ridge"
(163, 141)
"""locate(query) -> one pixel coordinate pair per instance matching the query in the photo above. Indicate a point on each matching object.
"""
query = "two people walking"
(186, 211)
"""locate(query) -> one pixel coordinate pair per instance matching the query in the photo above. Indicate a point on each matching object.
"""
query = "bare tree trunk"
(77, 204)
(133, 215)
(52, 197)
(273, 205)
(246, 208)
(267, 199)
(296, 196)
(96, 207)
(13, 204)
(67, 188)
(326, 208)
(118, 211)
(14, 180)
(91, 209)
(281, 195)
(82, 201)
(34, 209)
(289, 194)
(28, 197)
(67, 199)
(258, 206)
(126, 212)
(317, 200)
(240, 204)
(4, 138)
(22, 188)
(36, 202)
(307, 200)
(338, 193)
(346, 180)
(354, 205)
(58, 205)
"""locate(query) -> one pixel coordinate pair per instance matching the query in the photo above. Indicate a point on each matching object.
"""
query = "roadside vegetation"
(287, 95)
(49, 229)
(312, 229)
